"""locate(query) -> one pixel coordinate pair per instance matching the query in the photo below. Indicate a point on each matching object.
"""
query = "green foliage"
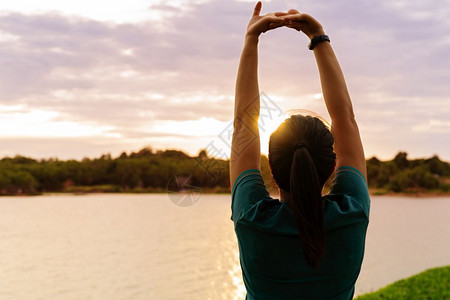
(436, 166)
(403, 175)
(147, 170)
(401, 160)
(14, 179)
(430, 284)
(419, 177)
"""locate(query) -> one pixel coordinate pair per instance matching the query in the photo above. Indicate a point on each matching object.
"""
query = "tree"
(5, 182)
(401, 160)
(202, 154)
(146, 151)
(436, 166)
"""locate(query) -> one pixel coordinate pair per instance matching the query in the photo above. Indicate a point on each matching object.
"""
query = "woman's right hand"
(303, 22)
(259, 24)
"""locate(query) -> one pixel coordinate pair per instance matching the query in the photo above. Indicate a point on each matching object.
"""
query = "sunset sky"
(81, 79)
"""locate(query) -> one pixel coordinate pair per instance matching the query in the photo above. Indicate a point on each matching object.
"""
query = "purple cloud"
(183, 67)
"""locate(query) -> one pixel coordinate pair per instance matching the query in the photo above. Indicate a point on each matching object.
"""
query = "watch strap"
(318, 39)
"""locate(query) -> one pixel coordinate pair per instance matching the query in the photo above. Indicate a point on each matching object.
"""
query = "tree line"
(157, 171)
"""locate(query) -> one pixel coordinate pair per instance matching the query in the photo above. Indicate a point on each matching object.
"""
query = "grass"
(430, 284)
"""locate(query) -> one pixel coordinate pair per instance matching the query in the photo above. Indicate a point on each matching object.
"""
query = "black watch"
(318, 39)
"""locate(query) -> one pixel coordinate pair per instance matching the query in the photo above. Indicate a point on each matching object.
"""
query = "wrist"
(316, 33)
(321, 46)
(251, 38)
(318, 40)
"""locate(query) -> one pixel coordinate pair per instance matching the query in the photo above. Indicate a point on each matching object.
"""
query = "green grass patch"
(430, 284)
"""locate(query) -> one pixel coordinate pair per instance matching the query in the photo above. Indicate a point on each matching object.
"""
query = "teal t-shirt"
(271, 257)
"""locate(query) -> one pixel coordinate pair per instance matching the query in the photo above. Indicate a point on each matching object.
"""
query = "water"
(123, 246)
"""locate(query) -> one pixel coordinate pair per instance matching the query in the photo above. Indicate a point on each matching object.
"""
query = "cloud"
(435, 126)
(182, 67)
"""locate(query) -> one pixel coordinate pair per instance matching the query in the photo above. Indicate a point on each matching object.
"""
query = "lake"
(142, 246)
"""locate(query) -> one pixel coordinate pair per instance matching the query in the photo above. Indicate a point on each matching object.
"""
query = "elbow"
(350, 113)
(344, 110)
(345, 118)
(343, 113)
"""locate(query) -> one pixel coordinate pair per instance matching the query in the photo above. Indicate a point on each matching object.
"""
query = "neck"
(285, 196)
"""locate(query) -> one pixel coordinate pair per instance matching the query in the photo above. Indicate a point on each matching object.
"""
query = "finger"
(296, 17)
(272, 19)
(280, 13)
(257, 9)
(293, 11)
(276, 25)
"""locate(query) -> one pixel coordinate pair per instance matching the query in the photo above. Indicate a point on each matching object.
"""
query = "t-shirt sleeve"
(350, 181)
(248, 189)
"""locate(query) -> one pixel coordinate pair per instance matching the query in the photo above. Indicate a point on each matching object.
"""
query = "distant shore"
(148, 171)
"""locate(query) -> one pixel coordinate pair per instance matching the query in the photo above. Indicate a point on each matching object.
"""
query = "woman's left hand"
(260, 24)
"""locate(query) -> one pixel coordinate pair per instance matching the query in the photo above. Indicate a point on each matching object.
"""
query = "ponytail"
(307, 206)
(301, 159)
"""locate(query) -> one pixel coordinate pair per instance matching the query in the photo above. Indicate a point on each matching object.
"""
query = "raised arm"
(348, 145)
(245, 146)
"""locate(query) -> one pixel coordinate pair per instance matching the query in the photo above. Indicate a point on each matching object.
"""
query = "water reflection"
(144, 247)
(236, 277)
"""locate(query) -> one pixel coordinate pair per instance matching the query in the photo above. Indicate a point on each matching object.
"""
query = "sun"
(267, 125)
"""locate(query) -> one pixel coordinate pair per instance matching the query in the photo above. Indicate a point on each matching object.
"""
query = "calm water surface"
(122, 246)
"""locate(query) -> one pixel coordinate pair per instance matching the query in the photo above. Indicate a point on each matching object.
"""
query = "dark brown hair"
(301, 159)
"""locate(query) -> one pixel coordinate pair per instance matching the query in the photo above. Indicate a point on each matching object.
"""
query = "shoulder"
(248, 189)
(351, 183)
(245, 176)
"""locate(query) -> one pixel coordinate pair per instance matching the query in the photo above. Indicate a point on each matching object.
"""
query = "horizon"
(156, 151)
(83, 81)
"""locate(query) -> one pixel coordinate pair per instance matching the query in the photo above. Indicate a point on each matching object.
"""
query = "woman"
(306, 246)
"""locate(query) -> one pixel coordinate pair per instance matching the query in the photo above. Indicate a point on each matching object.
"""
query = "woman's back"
(271, 255)
(308, 246)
